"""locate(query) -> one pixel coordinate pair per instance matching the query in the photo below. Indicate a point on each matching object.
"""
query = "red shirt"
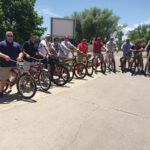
(97, 47)
(83, 48)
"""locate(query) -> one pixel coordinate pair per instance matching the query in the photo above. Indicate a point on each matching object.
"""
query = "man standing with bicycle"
(66, 46)
(110, 46)
(126, 50)
(30, 49)
(97, 46)
(45, 46)
(8, 50)
(137, 50)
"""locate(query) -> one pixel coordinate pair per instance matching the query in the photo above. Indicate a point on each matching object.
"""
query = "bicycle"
(59, 73)
(110, 62)
(76, 68)
(40, 74)
(136, 62)
(25, 83)
(123, 63)
(85, 59)
(98, 61)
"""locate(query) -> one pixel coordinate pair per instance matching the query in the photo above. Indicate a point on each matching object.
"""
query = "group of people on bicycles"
(10, 50)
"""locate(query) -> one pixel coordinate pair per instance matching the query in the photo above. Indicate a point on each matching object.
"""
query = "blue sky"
(131, 12)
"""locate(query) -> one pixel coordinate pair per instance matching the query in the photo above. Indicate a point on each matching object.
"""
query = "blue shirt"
(10, 49)
(68, 45)
(58, 48)
(126, 48)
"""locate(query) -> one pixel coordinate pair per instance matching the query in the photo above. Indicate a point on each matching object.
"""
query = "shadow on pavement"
(8, 98)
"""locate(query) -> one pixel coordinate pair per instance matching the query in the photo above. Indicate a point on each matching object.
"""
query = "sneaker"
(1, 94)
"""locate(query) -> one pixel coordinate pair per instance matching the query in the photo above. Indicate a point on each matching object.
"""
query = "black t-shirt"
(31, 49)
(136, 48)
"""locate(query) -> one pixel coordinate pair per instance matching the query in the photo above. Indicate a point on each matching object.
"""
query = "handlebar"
(38, 60)
(13, 61)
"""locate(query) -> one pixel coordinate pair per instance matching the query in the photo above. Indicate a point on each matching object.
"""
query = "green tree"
(141, 33)
(20, 17)
(95, 22)
(118, 34)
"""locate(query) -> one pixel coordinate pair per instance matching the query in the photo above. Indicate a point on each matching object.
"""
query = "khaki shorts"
(5, 72)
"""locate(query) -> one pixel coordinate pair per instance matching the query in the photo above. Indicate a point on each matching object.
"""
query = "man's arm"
(20, 56)
(40, 54)
(47, 50)
(25, 54)
(6, 57)
(132, 50)
(117, 49)
(105, 47)
(53, 49)
(146, 48)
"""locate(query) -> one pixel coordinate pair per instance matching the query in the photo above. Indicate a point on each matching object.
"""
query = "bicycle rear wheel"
(44, 79)
(26, 86)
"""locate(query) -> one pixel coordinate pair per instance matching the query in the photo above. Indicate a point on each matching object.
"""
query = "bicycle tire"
(80, 70)
(123, 65)
(103, 67)
(133, 67)
(89, 68)
(44, 80)
(71, 72)
(5, 87)
(21, 87)
(60, 78)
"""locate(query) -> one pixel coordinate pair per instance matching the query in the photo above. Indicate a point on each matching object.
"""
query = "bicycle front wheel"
(71, 72)
(26, 86)
(60, 75)
(89, 68)
(80, 70)
(44, 80)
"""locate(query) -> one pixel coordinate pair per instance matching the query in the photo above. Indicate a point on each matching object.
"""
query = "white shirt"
(111, 46)
(41, 48)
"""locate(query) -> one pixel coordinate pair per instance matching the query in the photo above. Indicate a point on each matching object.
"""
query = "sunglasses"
(10, 35)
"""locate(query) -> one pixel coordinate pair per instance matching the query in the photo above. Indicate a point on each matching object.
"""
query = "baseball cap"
(48, 35)
(66, 37)
(98, 38)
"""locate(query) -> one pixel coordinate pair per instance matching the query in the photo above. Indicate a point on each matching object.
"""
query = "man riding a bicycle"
(8, 50)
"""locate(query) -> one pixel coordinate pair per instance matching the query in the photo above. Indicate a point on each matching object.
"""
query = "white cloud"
(126, 29)
(142, 23)
(46, 12)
